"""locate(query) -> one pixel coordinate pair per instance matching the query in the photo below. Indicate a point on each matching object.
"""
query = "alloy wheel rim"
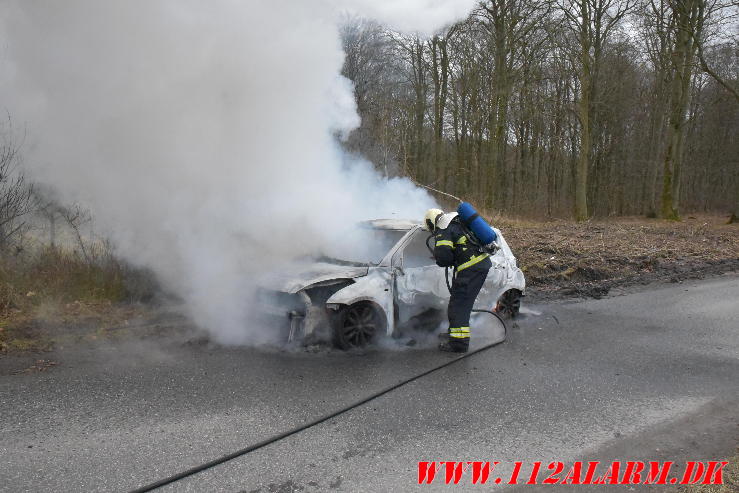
(359, 325)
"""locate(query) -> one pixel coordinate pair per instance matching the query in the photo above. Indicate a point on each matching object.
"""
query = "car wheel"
(509, 304)
(357, 325)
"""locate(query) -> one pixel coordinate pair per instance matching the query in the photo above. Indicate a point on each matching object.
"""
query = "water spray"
(438, 191)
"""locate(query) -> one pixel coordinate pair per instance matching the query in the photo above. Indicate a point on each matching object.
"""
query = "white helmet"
(429, 221)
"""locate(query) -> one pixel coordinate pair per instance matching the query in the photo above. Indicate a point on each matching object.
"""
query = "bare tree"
(560, 107)
(656, 32)
(592, 23)
(726, 82)
(440, 77)
(366, 46)
(510, 25)
(76, 216)
(15, 192)
(687, 22)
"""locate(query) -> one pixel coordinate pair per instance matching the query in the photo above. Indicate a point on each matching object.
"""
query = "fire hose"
(280, 436)
(251, 448)
(239, 453)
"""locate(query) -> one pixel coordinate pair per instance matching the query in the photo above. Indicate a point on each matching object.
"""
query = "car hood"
(310, 274)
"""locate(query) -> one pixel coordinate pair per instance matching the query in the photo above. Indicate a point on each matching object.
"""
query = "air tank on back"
(476, 223)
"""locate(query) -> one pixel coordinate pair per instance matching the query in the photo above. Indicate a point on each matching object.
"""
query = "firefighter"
(471, 265)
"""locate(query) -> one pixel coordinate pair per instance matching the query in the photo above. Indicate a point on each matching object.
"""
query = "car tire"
(357, 325)
(509, 304)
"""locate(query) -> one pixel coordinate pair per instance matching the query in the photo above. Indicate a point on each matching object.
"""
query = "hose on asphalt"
(280, 436)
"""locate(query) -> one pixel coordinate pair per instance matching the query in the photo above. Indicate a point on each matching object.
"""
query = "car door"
(419, 281)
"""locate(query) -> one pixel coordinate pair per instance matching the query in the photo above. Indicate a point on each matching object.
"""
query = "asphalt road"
(648, 375)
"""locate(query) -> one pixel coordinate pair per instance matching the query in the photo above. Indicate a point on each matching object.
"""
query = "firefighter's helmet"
(432, 215)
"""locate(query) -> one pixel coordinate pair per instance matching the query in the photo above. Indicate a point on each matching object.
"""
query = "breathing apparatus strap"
(431, 249)
(446, 276)
(471, 238)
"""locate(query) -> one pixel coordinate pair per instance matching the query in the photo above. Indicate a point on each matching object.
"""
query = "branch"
(709, 71)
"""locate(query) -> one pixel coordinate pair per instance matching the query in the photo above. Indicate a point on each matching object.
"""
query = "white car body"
(405, 282)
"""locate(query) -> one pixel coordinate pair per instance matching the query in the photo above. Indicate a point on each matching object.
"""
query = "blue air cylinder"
(477, 224)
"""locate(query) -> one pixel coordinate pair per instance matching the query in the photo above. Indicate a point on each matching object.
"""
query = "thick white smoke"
(201, 134)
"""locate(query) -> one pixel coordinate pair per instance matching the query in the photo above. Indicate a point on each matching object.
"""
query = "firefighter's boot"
(453, 344)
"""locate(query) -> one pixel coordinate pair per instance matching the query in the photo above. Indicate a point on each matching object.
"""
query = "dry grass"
(52, 288)
(559, 253)
(730, 476)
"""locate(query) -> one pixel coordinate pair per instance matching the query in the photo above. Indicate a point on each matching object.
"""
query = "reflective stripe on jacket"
(452, 249)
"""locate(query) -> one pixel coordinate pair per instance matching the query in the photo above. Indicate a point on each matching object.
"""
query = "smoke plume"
(202, 135)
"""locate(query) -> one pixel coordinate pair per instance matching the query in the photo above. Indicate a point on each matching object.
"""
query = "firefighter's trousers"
(465, 288)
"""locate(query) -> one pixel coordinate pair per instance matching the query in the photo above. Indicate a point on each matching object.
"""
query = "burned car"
(353, 303)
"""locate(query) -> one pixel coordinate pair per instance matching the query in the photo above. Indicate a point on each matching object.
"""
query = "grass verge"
(730, 476)
(45, 293)
(563, 258)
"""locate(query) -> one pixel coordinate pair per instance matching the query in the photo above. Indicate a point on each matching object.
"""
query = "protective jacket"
(452, 249)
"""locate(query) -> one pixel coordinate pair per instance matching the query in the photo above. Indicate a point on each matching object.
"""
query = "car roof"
(390, 224)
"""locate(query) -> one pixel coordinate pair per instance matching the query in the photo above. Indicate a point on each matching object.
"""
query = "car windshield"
(370, 247)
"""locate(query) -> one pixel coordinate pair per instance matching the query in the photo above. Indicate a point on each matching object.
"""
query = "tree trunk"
(735, 215)
(583, 161)
(689, 15)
